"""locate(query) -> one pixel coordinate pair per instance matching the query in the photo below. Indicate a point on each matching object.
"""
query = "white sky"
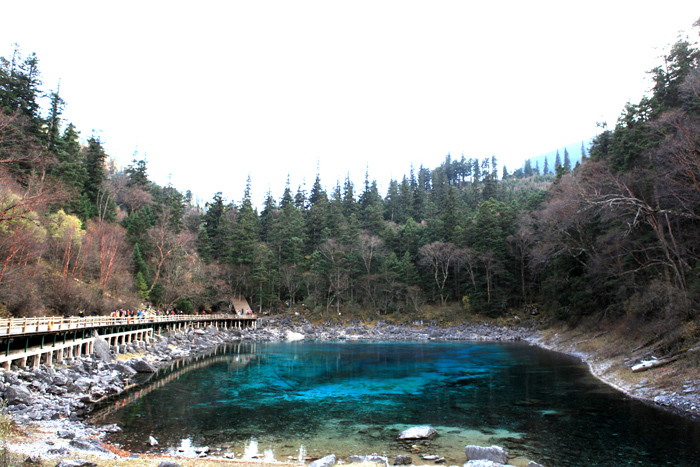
(213, 91)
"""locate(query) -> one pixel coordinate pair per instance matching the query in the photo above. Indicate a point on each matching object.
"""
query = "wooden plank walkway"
(25, 326)
(32, 341)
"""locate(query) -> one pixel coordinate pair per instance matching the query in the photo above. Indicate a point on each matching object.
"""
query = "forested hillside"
(615, 236)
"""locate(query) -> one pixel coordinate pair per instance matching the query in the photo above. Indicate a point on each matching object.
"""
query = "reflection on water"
(309, 399)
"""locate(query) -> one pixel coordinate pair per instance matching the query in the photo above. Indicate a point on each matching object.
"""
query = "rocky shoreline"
(55, 401)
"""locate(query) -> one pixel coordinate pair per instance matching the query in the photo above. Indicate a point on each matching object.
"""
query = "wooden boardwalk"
(26, 326)
(33, 341)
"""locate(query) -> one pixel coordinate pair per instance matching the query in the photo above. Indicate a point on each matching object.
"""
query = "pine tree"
(53, 122)
(245, 232)
(557, 161)
(545, 171)
(267, 216)
(567, 161)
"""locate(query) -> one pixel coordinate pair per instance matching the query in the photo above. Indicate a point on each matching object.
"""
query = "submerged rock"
(493, 453)
(88, 445)
(483, 463)
(372, 459)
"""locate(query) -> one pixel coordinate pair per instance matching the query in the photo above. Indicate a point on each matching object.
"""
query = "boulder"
(82, 384)
(168, 464)
(124, 370)
(294, 336)
(403, 460)
(152, 441)
(19, 395)
(88, 445)
(102, 350)
(418, 432)
(327, 461)
(142, 366)
(493, 453)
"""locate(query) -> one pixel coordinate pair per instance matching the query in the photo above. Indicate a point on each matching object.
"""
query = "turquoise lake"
(355, 397)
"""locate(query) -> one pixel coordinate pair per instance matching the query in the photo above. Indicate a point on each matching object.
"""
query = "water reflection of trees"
(236, 356)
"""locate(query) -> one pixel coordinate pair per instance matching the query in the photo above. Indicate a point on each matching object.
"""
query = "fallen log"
(653, 363)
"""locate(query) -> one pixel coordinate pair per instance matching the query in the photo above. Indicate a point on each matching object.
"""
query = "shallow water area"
(354, 398)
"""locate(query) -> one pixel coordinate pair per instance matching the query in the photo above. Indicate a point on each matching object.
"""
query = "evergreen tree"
(557, 161)
(245, 232)
(287, 198)
(53, 122)
(137, 173)
(203, 246)
(545, 170)
(267, 216)
(567, 161)
(19, 88)
(349, 202)
(317, 215)
(217, 225)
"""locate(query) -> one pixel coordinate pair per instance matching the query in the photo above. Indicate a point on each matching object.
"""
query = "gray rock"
(534, 464)
(327, 461)
(32, 460)
(19, 395)
(152, 441)
(142, 366)
(124, 369)
(168, 464)
(102, 350)
(66, 434)
(112, 428)
(493, 453)
(62, 451)
(75, 463)
(82, 384)
(403, 460)
(88, 445)
(418, 432)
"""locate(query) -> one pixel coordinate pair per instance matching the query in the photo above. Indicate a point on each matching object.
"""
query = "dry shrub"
(659, 301)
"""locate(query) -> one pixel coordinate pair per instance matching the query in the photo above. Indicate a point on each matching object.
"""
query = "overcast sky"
(210, 92)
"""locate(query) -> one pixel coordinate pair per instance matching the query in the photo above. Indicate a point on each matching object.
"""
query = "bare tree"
(291, 280)
(439, 257)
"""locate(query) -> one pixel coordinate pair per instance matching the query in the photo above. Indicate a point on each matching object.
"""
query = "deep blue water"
(354, 397)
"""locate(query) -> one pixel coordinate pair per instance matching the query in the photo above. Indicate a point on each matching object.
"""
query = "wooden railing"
(17, 326)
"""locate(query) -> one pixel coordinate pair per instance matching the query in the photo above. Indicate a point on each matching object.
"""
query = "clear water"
(311, 399)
